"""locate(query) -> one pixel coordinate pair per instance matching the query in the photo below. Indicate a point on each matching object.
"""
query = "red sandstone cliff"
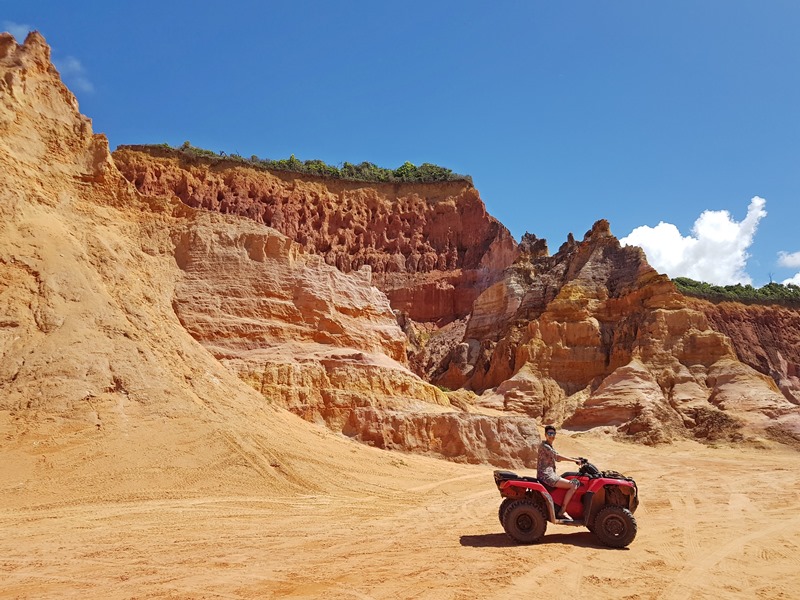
(432, 247)
(591, 336)
(766, 338)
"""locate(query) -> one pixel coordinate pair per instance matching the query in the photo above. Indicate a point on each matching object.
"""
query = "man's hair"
(549, 428)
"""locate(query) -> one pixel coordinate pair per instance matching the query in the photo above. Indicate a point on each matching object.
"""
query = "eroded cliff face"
(592, 336)
(766, 338)
(432, 248)
(589, 337)
(123, 313)
(303, 333)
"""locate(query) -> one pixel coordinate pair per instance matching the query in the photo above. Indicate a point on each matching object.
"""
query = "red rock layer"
(765, 337)
(432, 247)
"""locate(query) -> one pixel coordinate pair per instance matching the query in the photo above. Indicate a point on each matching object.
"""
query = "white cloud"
(18, 30)
(789, 260)
(73, 73)
(795, 280)
(792, 260)
(715, 252)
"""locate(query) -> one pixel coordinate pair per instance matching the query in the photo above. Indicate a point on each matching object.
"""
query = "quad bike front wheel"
(615, 526)
(524, 521)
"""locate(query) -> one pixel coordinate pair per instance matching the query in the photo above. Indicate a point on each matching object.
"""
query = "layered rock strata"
(593, 336)
(323, 344)
(432, 247)
(766, 338)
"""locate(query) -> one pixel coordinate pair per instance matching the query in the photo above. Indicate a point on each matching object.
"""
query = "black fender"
(546, 500)
(594, 501)
(590, 508)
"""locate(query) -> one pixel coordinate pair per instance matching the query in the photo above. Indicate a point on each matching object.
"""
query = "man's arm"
(561, 457)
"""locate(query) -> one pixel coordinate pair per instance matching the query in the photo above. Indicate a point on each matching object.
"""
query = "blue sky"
(562, 112)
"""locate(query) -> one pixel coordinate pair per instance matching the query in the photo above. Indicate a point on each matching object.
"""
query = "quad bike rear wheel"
(503, 506)
(615, 526)
(524, 521)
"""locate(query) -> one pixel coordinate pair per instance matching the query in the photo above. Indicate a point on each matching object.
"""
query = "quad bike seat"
(501, 476)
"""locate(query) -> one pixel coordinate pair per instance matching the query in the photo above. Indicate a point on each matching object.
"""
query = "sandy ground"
(713, 523)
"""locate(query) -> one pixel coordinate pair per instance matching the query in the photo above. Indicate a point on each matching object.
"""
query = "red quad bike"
(604, 503)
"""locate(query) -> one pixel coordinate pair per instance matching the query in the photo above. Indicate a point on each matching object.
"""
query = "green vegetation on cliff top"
(772, 293)
(365, 171)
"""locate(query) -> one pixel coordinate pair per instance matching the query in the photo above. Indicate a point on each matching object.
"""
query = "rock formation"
(123, 298)
(593, 336)
(766, 338)
(120, 310)
(432, 247)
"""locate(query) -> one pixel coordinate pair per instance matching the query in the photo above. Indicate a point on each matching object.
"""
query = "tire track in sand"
(688, 580)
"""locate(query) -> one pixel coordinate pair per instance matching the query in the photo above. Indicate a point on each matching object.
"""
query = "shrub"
(772, 293)
(365, 171)
(406, 172)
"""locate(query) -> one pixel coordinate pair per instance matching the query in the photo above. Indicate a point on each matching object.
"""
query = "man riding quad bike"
(604, 502)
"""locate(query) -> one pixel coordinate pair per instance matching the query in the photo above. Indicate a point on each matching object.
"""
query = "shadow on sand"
(583, 539)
